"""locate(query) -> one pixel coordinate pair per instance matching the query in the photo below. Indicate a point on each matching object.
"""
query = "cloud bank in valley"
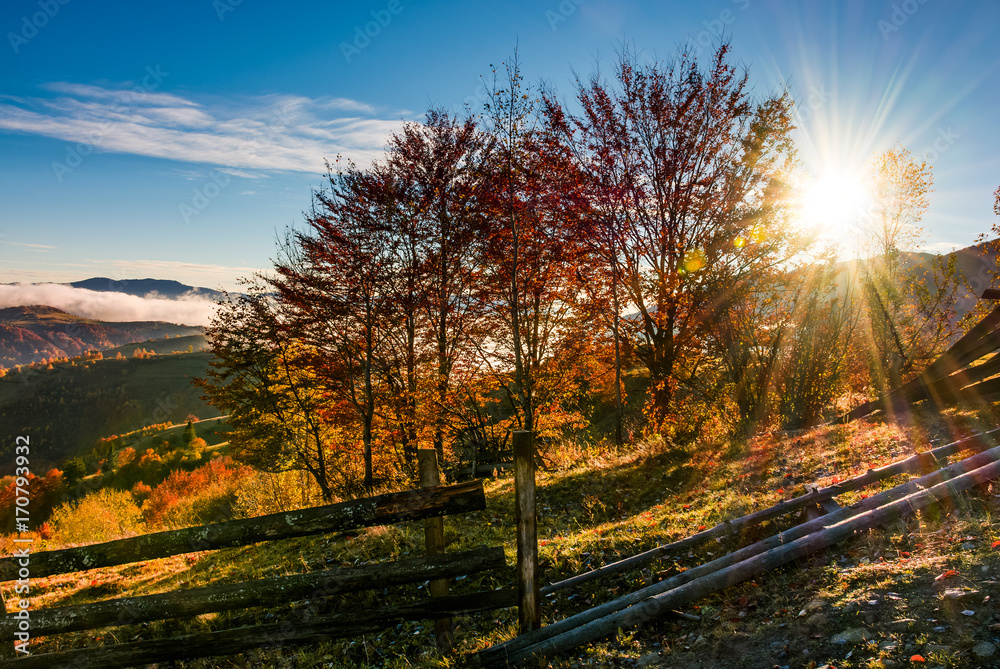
(108, 306)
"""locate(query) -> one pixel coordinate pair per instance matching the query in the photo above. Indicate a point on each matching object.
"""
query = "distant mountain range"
(29, 334)
(975, 263)
(145, 287)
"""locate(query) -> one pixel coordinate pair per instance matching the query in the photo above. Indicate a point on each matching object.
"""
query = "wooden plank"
(730, 527)
(830, 506)
(230, 642)
(380, 510)
(991, 294)
(945, 365)
(529, 607)
(512, 648)
(274, 591)
(659, 604)
(434, 543)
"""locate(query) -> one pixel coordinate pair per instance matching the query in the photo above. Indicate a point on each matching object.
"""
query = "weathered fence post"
(434, 542)
(529, 603)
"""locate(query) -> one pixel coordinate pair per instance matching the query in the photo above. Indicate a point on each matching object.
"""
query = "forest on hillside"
(627, 263)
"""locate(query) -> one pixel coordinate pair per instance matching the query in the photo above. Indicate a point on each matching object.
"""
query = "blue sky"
(176, 139)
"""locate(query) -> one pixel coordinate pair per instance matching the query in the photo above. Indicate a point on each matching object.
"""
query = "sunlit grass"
(598, 504)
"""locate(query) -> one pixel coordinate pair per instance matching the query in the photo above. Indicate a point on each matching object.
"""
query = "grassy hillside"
(32, 333)
(877, 600)
(66, 409)
(195, 342)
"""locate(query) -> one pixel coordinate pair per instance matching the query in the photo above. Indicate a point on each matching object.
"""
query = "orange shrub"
(197, 497)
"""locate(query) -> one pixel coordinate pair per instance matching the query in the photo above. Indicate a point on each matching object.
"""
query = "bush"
(194, 498)
(100, 516)
(266, 492)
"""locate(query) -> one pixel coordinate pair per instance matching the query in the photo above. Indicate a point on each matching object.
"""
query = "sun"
(833, 203)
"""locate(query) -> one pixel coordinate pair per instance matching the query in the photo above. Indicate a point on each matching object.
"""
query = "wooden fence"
(430, 502)
(937, 483)
(954, 377)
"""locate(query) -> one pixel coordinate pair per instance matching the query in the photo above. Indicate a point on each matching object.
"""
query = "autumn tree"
(257, 377)
(438, 165)
(532, 242)
(909, 306)
(821, 324)
(334, 282)
(694, 171)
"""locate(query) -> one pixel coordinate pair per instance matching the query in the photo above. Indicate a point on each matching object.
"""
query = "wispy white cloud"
(38, 247)
(941, 247)
(271, 132)
(108, 306)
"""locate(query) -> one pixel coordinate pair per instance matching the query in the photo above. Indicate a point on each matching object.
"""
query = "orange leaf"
(686, 506)
(701, 527)
(995, 544)
(781, 491)
(917, 658)
(947, 574)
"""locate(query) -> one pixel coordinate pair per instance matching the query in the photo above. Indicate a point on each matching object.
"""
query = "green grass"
(66, 410)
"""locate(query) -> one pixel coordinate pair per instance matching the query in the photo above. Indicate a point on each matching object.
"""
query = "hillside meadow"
(874, 601)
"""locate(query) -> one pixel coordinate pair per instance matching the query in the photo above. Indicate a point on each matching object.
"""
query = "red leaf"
(701, 527)
(917, 658)
(995, 544)
(947, 574)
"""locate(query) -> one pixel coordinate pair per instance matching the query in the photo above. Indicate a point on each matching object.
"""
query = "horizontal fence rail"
(264, 592)
(315, 629)
(799, 541)
(354, 514)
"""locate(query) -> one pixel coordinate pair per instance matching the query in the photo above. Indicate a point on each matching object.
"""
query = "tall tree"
(695, 170)
(438, 163)
(509, 116)
(334, 282)
(258, 377)
(910, 307)
(532, 244)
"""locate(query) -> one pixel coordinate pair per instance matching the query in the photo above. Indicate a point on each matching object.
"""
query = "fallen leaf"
(947, 574)
(917, 658)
